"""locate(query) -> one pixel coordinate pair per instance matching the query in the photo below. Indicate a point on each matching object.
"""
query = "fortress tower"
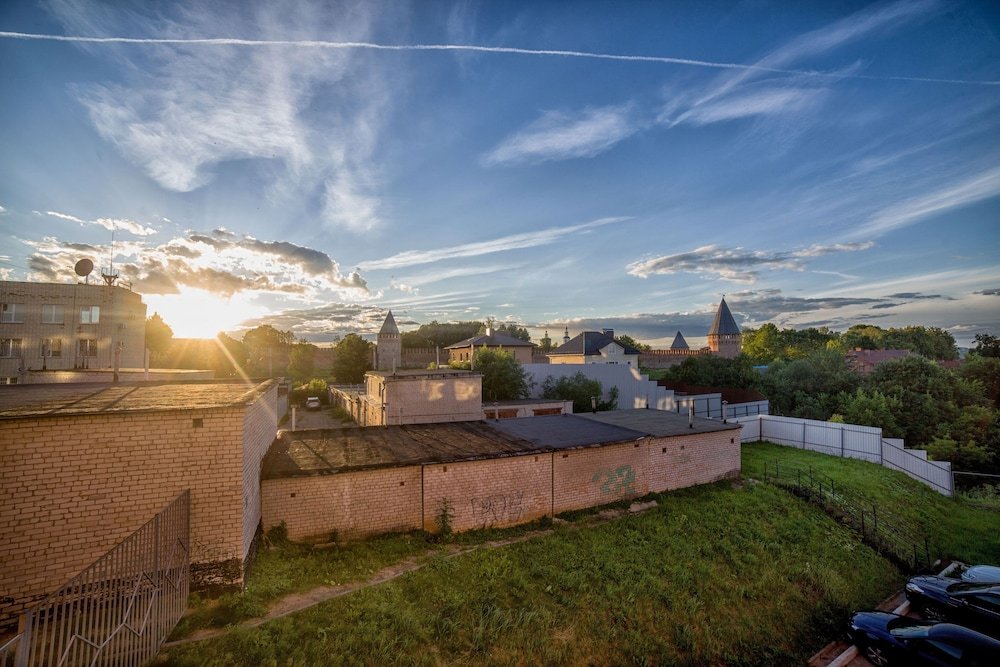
(724, 338)
(389, 345)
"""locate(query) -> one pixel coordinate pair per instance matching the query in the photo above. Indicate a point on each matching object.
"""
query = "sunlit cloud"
(559, 136)
(502, 244)
(736, 264)
(110, 224)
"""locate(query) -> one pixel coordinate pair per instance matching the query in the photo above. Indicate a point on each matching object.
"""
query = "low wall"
(494, 492)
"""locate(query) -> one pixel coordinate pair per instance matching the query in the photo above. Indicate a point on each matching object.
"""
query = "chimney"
(608, 332)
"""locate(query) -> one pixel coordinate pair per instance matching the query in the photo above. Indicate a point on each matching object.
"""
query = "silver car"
(982, 574)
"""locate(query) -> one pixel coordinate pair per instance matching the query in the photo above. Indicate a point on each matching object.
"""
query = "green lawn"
(716, 574)
(957, 530)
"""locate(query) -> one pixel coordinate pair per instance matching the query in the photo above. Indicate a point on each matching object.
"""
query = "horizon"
(311, 165)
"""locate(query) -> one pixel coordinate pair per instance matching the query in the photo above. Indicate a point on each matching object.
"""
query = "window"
(10, 347)
(90, 315)
(8, 380)
(11, 312)
(87, 347)
(52, 314)
(52, 347)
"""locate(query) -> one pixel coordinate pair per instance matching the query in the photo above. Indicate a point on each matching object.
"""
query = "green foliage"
(986, 371)
(440, 334)
(503, 378)
(712, 371)
(580, 389)
(809, 387)
(545, 344)
(315, 387)
(872, 408)
(963, 456)
(267, 349)
(158, 338)
(444, 518)
(930, 342)
(301, 364)
(987, 345)
(352, 359)
(507, 328)
(627, 341)
(769, 343)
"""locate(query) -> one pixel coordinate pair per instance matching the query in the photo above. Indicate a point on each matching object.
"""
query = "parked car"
(945, 599)
(982, 574)
(312, 403)
(887, 639)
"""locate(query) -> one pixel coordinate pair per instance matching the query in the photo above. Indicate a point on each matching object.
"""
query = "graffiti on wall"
(620, 481)
(498, 509)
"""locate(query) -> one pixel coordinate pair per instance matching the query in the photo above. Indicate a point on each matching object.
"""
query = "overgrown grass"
(288, 567)
(956, 529)
(719, 574)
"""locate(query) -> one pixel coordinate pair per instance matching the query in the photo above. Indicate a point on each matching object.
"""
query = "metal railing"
(120, 609)
(891, 535)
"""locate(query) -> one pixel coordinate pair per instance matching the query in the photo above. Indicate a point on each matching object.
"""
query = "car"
(945, 599)
(888, 639)
(312, 403)
(982, 574)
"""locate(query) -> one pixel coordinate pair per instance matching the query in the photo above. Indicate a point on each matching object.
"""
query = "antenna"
(83, 269)
(111, 276)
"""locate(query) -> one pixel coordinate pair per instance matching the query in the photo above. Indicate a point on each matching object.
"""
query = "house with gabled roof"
(464, 350)
(595, 347)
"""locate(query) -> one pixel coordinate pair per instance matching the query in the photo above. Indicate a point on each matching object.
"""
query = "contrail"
(324, 44)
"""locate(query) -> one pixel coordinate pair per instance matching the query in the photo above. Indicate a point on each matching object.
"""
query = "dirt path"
(294, 602)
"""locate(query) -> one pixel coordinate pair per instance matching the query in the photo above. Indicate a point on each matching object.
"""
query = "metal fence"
(120, 609)
(849, 441)
(893, 536)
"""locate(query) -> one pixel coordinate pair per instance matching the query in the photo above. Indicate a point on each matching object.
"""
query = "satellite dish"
(84, 267)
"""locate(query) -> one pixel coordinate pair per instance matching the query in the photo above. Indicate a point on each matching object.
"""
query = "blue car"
(888, 639)
(945, 599)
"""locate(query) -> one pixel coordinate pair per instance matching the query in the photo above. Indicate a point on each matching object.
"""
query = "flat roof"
(329, 451)
(658, 422)
(57, 400)
(422, 373)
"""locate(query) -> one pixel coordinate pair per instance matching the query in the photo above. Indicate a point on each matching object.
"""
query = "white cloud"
(736, 264)
(65, 216)
(766, 102)
(974, 188)
(560, 136)
(512, 242)
(110, 224)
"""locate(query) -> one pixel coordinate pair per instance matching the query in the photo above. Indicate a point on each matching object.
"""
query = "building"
(491, 340)
(595, 347)
(359, 482)
(413, 397)
(82, 466)
(58, 327)
(724, 338)
(865, 361)
(389, 345)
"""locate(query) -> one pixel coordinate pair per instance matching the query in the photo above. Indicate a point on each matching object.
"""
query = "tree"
(762, 345)
(301, 364)
(713, 371)
(985, 370)
(352, 358)
(581, 390)
(158, 338)
(871, 408)
(267, 349)
(545, 344)
(627, 341)
(503, 378)
(513, 330)
(436, 334)
(809, 387)
(987, 345)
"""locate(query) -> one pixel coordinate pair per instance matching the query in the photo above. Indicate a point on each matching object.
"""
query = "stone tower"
(724, 338)
(389, 347)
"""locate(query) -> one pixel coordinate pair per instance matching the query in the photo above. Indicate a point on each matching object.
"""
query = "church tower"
(724, 338)
(389, 348)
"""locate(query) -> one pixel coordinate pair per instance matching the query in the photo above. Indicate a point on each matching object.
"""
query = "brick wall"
(494, 492)
(71, 487)
(257, 434)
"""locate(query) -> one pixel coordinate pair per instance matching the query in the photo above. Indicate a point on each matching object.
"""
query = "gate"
(120, 609)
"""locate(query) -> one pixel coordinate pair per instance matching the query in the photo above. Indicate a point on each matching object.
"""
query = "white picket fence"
(850, 441)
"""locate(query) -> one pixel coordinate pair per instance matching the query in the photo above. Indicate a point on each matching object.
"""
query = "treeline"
(443, 334)
(768, 343)
(951, 413)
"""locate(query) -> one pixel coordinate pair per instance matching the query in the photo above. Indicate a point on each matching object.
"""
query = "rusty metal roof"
(49, 400)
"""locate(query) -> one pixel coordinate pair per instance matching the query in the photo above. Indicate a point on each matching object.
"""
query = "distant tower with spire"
(389, 349)
(566, 335)
(724, 338)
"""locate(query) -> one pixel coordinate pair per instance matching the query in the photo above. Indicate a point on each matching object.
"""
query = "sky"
(560, 165)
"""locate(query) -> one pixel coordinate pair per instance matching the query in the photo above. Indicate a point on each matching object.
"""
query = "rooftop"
(590, 343)
(658, 422)
(416, 374)
(52, 400)
(491, 340)
(323, 452)
(724, 324)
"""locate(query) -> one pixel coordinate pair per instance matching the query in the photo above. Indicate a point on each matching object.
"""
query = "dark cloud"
(326, 323)
(80, 247)
(312, 261)
(769, 304)
(210, 241)
(643, 326)
(989, 292)
(45, 268)
(180, 251)
(881, 306)
(736, 264)
(918, 295)
(222, 232)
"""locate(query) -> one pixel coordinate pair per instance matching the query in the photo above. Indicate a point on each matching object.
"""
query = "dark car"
(945, 599)
(888, 639)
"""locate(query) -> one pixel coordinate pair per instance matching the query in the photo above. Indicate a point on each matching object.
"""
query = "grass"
(957, 529)
(719, 574)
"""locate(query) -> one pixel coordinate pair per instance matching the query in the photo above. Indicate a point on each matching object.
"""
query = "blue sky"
(585, 164)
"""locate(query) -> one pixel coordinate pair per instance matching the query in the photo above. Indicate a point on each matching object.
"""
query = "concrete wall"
(71, 487)
(422, 399)
(635, 390)
(496, 492)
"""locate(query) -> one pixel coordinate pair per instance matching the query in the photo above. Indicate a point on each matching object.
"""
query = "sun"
(197, 313)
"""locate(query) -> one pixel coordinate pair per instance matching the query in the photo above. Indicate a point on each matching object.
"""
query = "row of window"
(51, 347)
(51, 313)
